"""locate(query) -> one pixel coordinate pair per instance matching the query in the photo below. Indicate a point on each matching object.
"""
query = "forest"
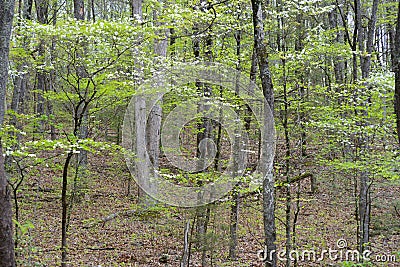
(199, 133)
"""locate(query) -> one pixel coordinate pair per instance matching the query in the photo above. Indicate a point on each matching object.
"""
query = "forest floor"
(155, 237)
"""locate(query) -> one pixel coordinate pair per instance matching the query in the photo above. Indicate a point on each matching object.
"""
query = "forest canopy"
(293, 104)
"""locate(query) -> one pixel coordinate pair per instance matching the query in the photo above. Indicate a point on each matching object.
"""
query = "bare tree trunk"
(161, 43)
(338, 64)
(52, 76)
(153, 133)
(7, 257)
(285, 121)
(142, 157)
(6, 230)
(288, 219)
(17, 101)
(142, 170)
(79, 14)
(42, 8)
(18, 93)
(234, 217)
(365, 43)
(64, 205)
(205, 128)
(79, 126)
(237, 160)
(186, 246)
(27, 13)
(90, 11)
(253, 78)
(268, 183)
(136, 8)
(20, 82)
(396, 69)
(366, 66)
(300, 74)
(79, 9)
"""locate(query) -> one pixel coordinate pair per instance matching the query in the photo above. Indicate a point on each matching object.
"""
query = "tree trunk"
(6, 232)
(80, 182)
(79, 9)
(90, 11)
(142, 166)
(396, 69)
(268, 183)
(338, 64)
(136, 8)
(42, 8)
(365, 44)
(186, 246)
(154, 123)
(288, 217)
(80, 126)
(7, 258)
(20, 82)
(238, 159)
(17, 101)
(27, 13)
(143, 161)
(205, 130)
(64, 205)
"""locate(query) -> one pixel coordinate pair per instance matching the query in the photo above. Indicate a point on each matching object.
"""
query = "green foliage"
(102, 64)
(352, 264)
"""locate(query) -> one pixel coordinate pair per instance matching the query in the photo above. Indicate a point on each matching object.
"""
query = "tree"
(20, 82)
(266, 82)
(396, 69)
(365, 39)
(80, 130)
(205, 126)
(235, 206)
(7, 258)
(42, 8)
(322, 69)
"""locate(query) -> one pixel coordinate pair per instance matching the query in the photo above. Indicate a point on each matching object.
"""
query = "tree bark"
(42, 7)
(80, 128)
(142, 166)
(7, 258)
(338, 64)
(237, 160)
(64, 205)
(27, 13)
(205, 130)
(20, 82)
(365, 43)
(79, 9)
(396, 69)
(143, 161)
(154, 123)
(80, 181)
(268, 182)
(136, 8)
(186, 246)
